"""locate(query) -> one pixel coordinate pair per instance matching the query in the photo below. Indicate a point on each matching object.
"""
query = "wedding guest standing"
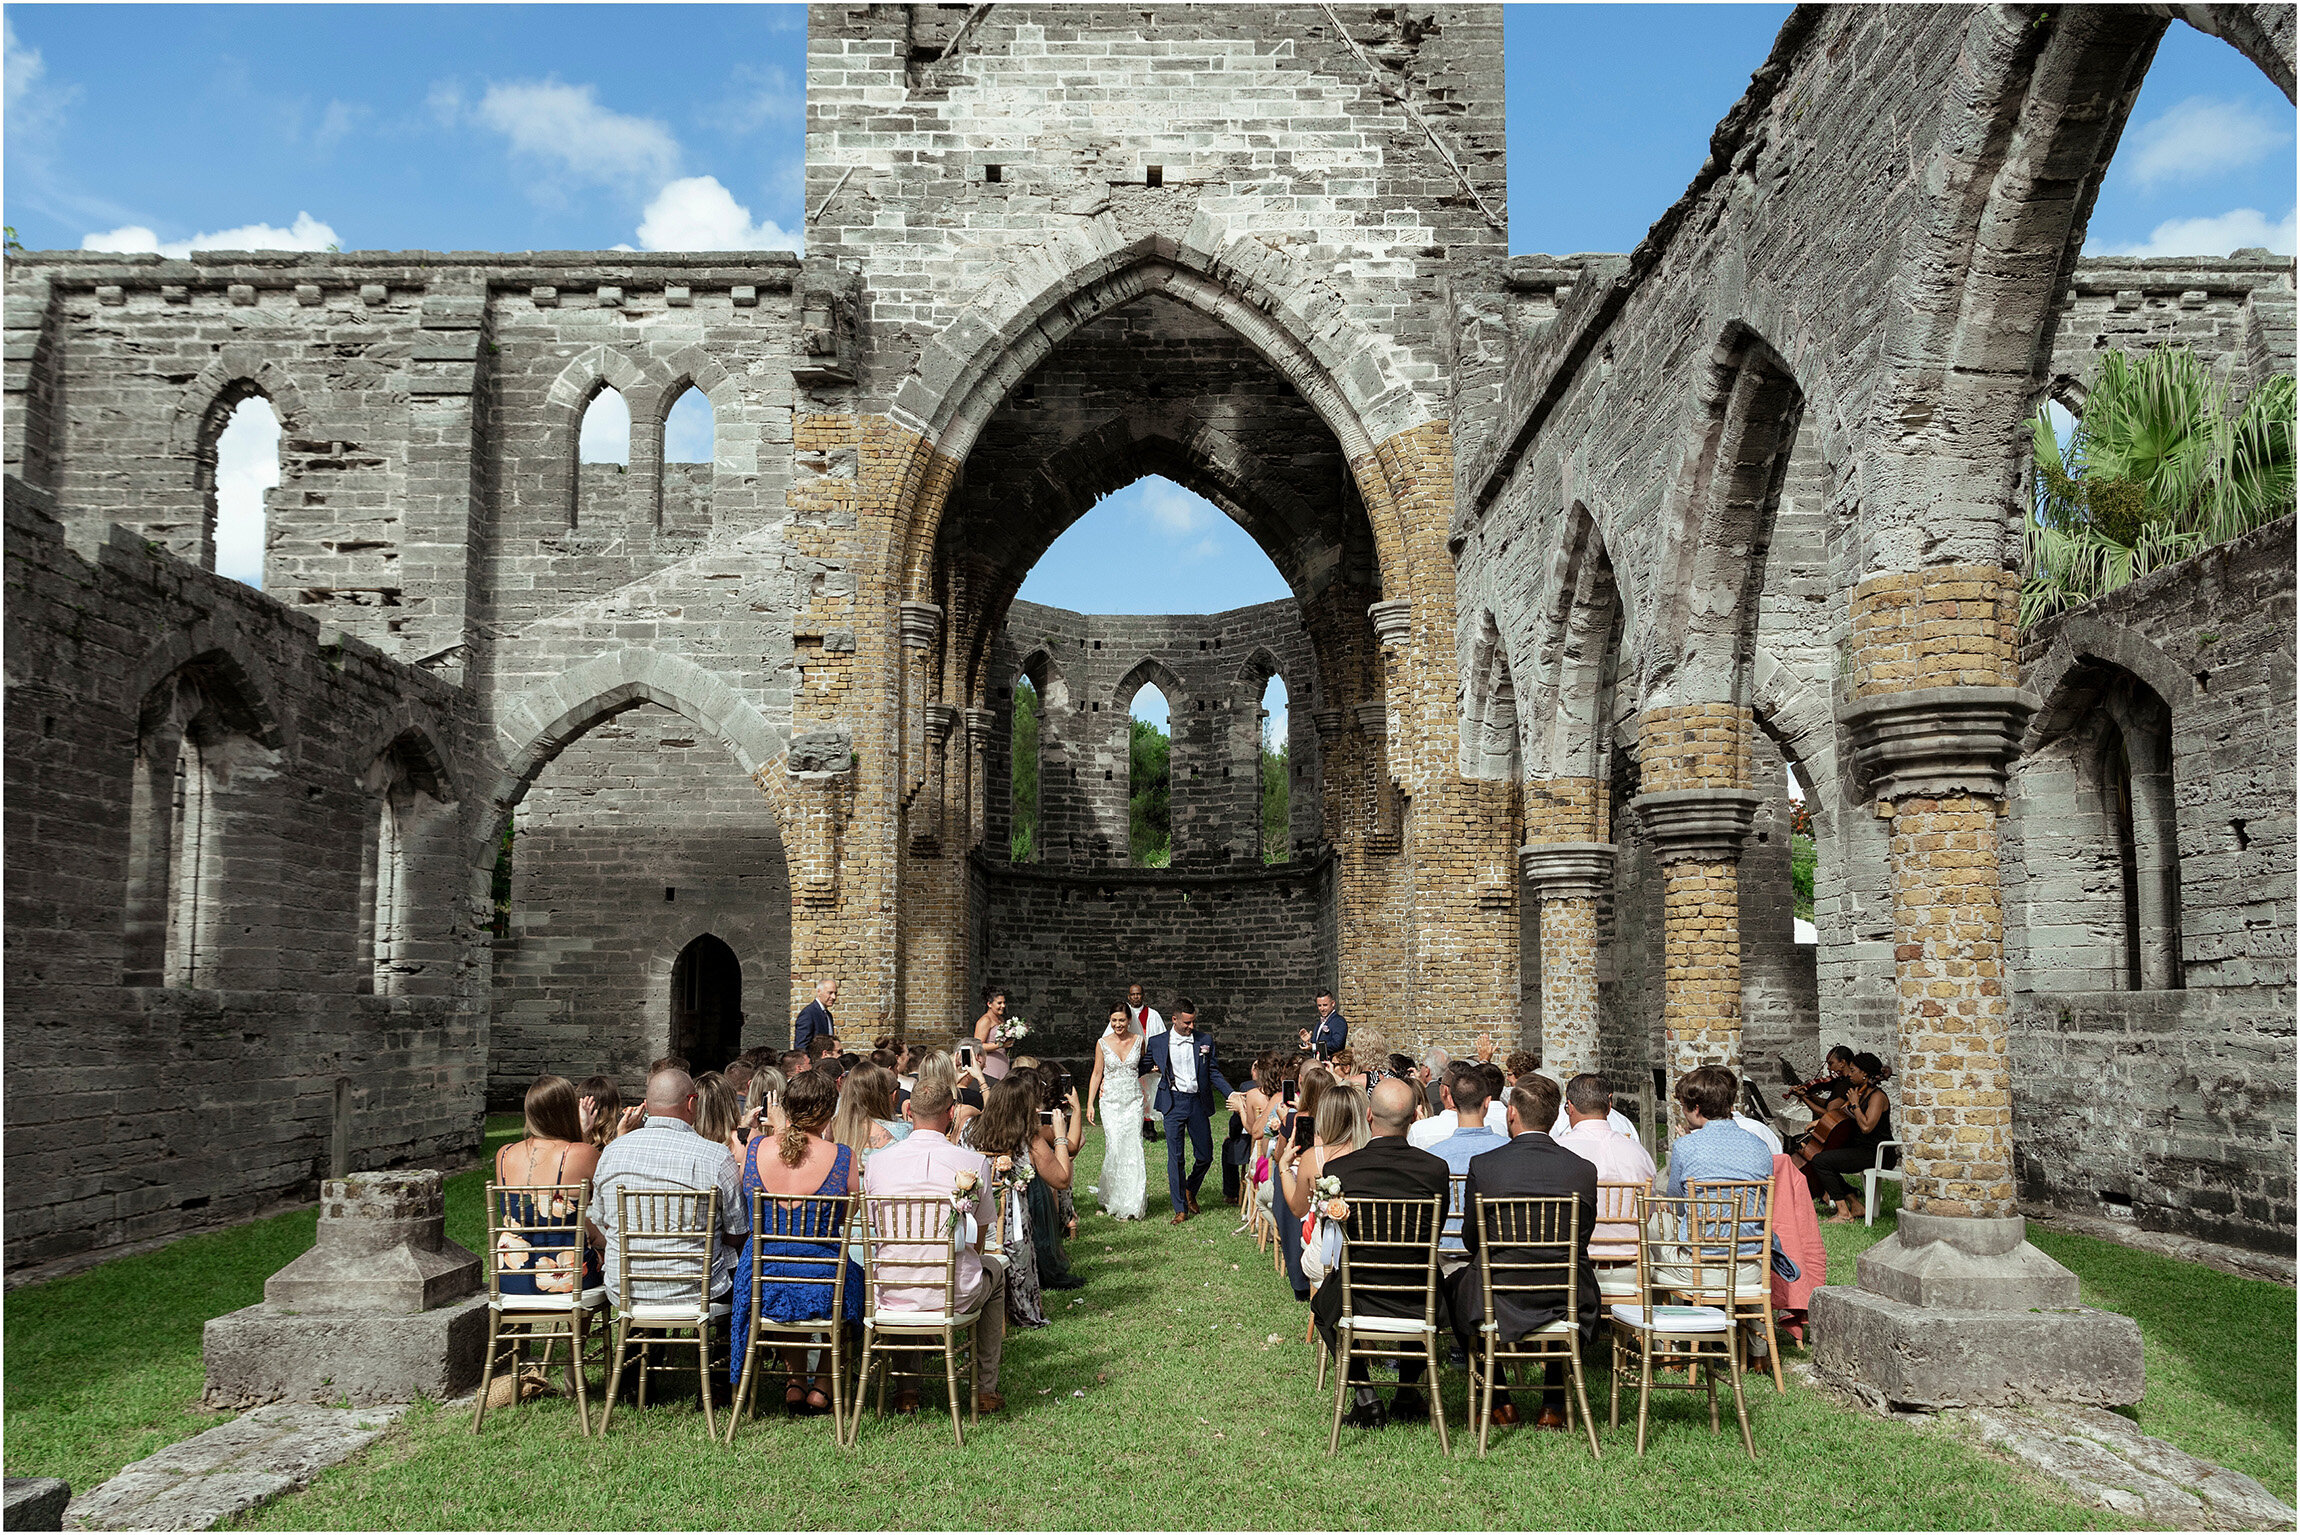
(990, 1034)
(1330, 1032)
(815, 1017)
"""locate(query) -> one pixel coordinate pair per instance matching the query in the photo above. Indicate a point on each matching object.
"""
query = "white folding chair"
(1869, 1176)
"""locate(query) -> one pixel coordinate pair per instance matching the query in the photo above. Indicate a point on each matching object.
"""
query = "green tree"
(1277, 802)
(2158, 469)
(1022, 839)
(1149, 803)
(1803, 860)
(500, 886)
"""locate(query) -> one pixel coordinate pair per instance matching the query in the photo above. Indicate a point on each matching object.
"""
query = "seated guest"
(1618, 1158)
(1466, 1084)
(1428, 1132)
(601, 1107)
(798, 1163)
(738, 1074)
(1716, 1149)
(820, 1048)
(1516, 1064)
(664, 1153)
(866, 1118)
(1433, 1078)
(1340, 1126)
(672, 1062)
(1531, 1165)
(762, 1111)
(719, 1112)
(1496, 1094)
(1384, 1168)
(791, 1062)
(1618, 1122)
(554, 1153)
(927, 1164)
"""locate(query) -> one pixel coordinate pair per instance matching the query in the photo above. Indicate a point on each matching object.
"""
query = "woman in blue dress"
(554, 1155)
(800, 1163)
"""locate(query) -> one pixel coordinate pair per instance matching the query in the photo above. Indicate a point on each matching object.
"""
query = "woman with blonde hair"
(866, 1111)
(799, 1162)
(719, 1113)
(601, 1106)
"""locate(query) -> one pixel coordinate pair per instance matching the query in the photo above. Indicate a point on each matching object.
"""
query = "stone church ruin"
(1586, 556)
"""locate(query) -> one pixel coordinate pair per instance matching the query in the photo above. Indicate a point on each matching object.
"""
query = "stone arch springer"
(542, 722)
(2082, 638)
(217, 643)
(250, 369)
(417, 724)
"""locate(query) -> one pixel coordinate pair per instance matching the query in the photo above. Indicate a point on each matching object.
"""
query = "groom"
(1190, 1083)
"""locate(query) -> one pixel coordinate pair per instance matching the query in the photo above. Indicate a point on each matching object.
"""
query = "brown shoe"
(1548, 1417)
(906, 1404)
(1190, 1200)
(1180, 1216)
(989, 1401)
(1505, 1415)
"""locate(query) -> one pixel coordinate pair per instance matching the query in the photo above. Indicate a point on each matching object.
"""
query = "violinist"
(1871, 1121)
(1830, 1084)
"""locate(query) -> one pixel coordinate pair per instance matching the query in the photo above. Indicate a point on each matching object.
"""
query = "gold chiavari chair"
(1529, 1244)
(1390, 1248)
(809, 1238)
(917, 1235)
(535, 1241)
(664, 1243)
(1692, 1241)
(1753, 1304)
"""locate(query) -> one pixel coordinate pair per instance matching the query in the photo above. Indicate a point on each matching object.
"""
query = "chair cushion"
(1623, 1283)
(671, 1313)
(593, 1299)
(1556, 1329)
(1675, 1319)
(921, 1321)
(1393, 1325)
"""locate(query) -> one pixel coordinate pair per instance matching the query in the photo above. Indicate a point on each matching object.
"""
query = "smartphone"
(1288, 1089)
(1304, 1132)
(966, 1055)
(1046, 1116)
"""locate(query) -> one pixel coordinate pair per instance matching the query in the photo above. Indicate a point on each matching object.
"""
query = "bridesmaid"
(986, 1033)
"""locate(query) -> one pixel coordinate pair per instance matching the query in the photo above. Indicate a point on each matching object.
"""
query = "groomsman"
(1332, 1031)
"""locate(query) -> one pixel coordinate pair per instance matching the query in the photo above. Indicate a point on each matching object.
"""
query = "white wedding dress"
(1124, 1176)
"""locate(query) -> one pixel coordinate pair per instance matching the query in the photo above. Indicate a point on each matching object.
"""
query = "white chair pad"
(593, 1299)
(1393, 1326)
(1556, 1329)
(1675, 1320)
(1611, 1284)
(920, 1321)
(673, 1314)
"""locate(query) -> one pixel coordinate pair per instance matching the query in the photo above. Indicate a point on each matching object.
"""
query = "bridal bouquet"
(1010, 1031)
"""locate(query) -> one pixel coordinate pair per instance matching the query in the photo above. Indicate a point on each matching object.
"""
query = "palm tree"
(2156, 471)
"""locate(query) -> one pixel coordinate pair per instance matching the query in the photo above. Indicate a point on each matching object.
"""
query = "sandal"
(794, 1395)
(817, 1402)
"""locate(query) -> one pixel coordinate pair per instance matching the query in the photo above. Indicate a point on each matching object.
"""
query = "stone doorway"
(707, 1005)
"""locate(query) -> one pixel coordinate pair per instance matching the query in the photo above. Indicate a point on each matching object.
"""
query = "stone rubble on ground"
(205, 1480)
(2105, 1460)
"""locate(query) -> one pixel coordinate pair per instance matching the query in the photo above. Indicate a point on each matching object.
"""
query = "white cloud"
(695, 213)
(35, 106)
(2202, 137)
(565, 127)
(336, 123)
(1177, 513)
(305, 234)
(247, 465)
(2216, 235)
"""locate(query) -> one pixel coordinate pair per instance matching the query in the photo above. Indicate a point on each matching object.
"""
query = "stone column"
(1694, 760)
(1381, 827)
(1328, 724)
(1568, 879)
(926, 834)
(921, 626)
(979, 724)
(1935, 721)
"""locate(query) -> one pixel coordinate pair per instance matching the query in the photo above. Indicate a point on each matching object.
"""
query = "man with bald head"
(1386, 1167)
(665, 1153)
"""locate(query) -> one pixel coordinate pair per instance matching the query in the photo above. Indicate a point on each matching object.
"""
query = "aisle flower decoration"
(1326, 1199)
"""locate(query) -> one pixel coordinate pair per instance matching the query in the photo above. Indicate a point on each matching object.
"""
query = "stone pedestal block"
(1896, 1355)
(382, 1248)
(36, 1503)
(272, 1353)
(1966, 1264)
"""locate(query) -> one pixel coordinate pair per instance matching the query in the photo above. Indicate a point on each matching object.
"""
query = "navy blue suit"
(1329, 1034)
(1191, 1112)
(813, 1019)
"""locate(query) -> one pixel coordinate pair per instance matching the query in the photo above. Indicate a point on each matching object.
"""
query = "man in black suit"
(1326, 1037)
(1531, 1166)
(1384, 1168)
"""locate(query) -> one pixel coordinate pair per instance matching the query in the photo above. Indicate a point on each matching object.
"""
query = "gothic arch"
(2082, 639)
(1585, 612)
(1153, 671)
(1492, 732)
(216, 647)
(238, 371)
(414, 729)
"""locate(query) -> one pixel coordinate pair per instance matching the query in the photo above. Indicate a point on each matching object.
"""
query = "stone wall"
(2170, 1102)
(1251, 947)
(293, 1040)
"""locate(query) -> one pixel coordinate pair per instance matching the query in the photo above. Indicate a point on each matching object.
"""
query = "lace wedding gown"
(1123, 1174)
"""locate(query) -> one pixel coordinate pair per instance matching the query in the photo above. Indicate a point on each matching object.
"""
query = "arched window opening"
(1023, 841)
(1149, 780)
(178, 824)
(1804, 859)
(246, 468)
(707, 1005)
(690, 431)
(602, 453)
(1276, 778)
(194, 865)
(2099, 834)
(401, 788)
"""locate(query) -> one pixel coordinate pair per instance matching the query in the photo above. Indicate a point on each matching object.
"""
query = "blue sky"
(543, 127)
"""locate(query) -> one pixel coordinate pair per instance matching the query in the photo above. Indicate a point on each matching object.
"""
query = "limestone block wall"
(636, 840)
(2234, 312)
(1250, 946)
(1213, 670)
(291, 1048)
(2169, 1104)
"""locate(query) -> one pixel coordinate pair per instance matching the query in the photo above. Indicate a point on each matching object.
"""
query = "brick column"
(1694, 764)
(979, 724)
(1935, 720)
(1568, 879)
(921, 626)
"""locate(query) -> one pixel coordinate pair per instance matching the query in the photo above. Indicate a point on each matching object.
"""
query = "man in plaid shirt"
(665, 1153)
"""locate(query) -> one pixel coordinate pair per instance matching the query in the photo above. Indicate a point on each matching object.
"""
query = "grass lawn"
(1160, 1402)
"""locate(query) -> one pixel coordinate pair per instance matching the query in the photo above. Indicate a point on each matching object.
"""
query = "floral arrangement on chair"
(1326, 1199)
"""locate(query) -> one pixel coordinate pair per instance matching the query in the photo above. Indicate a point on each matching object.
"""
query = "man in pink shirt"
(926, 1163)
(1618, 1158)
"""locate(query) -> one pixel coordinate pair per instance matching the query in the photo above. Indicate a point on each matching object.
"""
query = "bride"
(1116, 1088)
